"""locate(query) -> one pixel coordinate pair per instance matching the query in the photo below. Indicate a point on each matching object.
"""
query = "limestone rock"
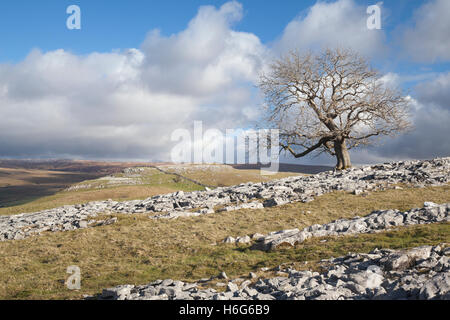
(355, 276)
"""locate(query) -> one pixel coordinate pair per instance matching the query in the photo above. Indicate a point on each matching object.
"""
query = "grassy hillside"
(139, 250)
(149, 184)
(224, 175)
(50, 189)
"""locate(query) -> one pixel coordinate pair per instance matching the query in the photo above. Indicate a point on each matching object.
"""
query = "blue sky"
(111, 25)
(108, 25)
(79, 85)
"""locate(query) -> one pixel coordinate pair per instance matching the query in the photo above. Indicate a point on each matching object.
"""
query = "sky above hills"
(138, 70)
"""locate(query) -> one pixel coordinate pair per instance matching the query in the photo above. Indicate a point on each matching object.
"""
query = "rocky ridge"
(419, 273)
(250, 195)
(297, 189)
(67, 218)
(380, 220)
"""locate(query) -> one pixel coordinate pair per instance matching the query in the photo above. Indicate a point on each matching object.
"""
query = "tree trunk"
(342, 155)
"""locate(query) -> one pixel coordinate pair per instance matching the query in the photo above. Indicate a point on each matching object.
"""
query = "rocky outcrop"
(376, 221)
(66, 218)
(250, 195)
(300, 188)
(418, 274)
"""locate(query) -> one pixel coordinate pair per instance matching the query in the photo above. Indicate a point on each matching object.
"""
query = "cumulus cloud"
(391, 79)
(436, 92)
(206, 57)
(428, 39)
(333, 24)
(343, 23)
(430, 115)
(126, 104)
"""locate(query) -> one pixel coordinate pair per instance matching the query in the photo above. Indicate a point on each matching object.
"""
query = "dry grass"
(223, 175)
(68, 198)
(331, 207)
(155, 184)
(138, 250)
(151, 183)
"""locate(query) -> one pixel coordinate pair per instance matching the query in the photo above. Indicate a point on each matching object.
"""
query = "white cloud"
(391, 79)
(437, 91)
(428, 40)
(206, 57)
(430, 116)
(126, 104)
(342, 23)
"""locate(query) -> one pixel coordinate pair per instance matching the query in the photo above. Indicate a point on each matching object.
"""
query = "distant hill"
(98, 167)
(110, 167)
(287, 167)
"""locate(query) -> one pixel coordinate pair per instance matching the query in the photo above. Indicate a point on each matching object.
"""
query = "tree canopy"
(330, 102)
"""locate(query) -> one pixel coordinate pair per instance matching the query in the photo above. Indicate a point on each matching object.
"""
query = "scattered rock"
(231, 287)
(229, 240)
(82, 224)
(353, 277)
(244, 196)
(243, 240)
(258, 237)
(429, 204)
(405, 259)
(222, 275)
(436, 288)
(374, 222)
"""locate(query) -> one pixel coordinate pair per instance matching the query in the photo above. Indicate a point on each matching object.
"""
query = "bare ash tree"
(330, 102)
